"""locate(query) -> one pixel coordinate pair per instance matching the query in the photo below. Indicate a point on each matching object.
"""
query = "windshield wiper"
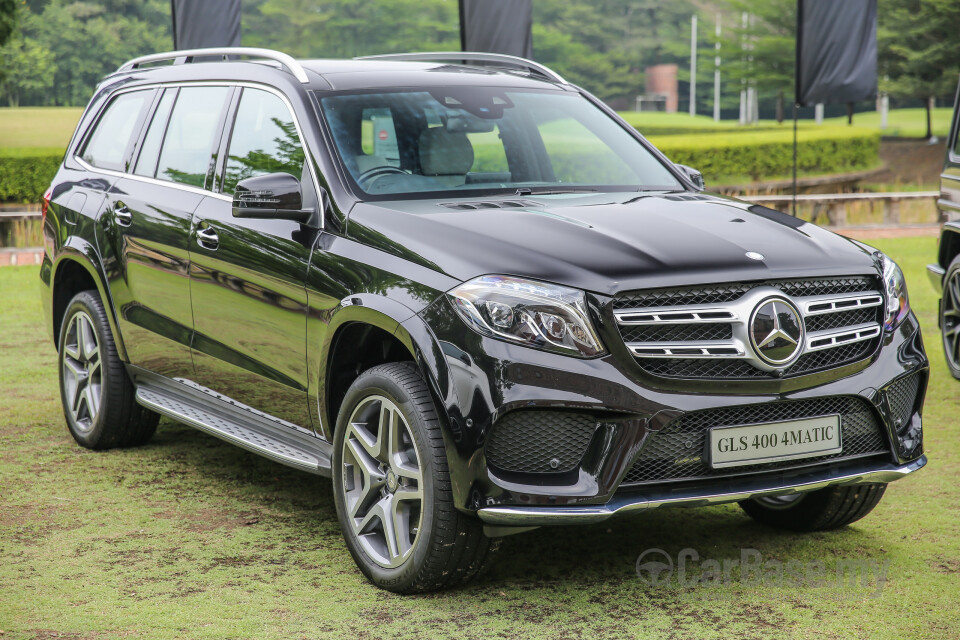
(549, 191)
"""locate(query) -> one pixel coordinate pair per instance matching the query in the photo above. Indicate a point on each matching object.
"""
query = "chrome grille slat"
(836, 313)
(835, 338)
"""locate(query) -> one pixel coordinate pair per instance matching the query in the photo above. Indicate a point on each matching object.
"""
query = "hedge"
(769, 154)
(25, 174)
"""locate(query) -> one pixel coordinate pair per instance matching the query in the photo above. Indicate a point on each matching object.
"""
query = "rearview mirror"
(274, 195)
(693, 175)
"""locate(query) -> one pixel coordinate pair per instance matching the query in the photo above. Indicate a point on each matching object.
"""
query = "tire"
(96, 393)
(434, 546)
(820, 510)
(950, 317)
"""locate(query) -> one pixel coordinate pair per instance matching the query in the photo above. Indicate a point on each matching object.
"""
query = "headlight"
(895, 289)
(536, 314)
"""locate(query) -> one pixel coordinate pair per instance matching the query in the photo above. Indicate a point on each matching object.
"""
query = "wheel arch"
(77, 268)
(369, 331)
(949, 244)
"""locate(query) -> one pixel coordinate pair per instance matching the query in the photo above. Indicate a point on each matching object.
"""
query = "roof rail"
(467, 56)
(187, 55)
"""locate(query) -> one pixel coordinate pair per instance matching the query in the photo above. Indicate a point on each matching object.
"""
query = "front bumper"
(718, 492)
(482, 381)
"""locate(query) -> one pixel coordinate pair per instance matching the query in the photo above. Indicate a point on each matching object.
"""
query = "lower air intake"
(540, 441)
(676, 452)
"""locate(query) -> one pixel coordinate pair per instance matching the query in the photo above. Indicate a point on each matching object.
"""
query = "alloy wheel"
(382, 481)
(80, 361)
(950, 320)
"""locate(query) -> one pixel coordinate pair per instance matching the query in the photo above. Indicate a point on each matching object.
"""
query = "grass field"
(45, 127)
(189, 537)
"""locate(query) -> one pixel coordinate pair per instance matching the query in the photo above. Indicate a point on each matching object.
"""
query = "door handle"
(124, 217)
(207, 238)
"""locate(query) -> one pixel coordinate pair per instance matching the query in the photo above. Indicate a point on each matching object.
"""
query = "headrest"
(445, 153)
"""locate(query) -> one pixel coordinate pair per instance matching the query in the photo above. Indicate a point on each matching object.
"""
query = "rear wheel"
(392, 487)
(821, 510)
(950, 317)
(97, 396)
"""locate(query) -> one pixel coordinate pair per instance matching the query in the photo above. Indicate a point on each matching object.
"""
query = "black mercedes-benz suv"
(472, 295)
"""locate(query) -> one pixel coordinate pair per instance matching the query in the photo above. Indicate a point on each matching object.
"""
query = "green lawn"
(45, 127)
(189, 537)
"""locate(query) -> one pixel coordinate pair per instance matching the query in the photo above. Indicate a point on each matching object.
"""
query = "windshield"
(450, 140)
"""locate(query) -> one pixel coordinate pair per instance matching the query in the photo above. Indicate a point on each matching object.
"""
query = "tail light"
(44, 205)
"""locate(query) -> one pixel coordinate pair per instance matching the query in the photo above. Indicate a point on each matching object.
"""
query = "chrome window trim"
(203, 191)
(154, 181)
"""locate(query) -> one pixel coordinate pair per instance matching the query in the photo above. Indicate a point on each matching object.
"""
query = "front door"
(247, 276)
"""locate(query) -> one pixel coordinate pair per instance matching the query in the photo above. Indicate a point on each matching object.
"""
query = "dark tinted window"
(189, 142)
(264, 140)
(147, 162)
(108, 143)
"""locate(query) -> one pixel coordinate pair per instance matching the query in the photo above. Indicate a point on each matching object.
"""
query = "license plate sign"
(774, 441)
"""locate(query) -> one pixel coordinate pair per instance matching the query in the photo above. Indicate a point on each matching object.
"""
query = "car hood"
(608, 242)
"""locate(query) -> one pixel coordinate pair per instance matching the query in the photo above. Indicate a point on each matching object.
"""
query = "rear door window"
(108, 144)
(188, 146)
(150, 149)
(264, 140)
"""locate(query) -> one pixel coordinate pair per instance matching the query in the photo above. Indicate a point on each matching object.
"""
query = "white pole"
(716, 76)
(884, 110)
(818, 112)
(743, 89)
(693, 65)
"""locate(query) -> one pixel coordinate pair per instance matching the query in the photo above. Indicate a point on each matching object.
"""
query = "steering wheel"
(377, 172)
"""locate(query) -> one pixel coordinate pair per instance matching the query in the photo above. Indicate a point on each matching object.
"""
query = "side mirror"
(693, 175)
(275, 195)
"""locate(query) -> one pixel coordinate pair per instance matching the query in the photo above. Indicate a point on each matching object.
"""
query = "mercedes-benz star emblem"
(776, 331)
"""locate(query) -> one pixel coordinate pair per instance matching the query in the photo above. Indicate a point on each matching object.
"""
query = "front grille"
(700, 332)
(676, 452)
(902, 398)
(682, 332)
(540, 441)
(840, 319)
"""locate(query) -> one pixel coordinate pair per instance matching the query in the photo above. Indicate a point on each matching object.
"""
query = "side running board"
(255, 432)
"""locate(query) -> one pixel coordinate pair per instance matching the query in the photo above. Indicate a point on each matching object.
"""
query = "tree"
(28, 69)
(9, 16)
(919, 52)
(759, 46)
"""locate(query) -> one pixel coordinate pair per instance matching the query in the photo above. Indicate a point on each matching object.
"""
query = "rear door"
(949, 202)
(148, 221)
(248, 294)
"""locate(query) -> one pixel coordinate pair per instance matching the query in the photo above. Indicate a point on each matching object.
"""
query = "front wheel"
(392, 487)
(820, 510)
